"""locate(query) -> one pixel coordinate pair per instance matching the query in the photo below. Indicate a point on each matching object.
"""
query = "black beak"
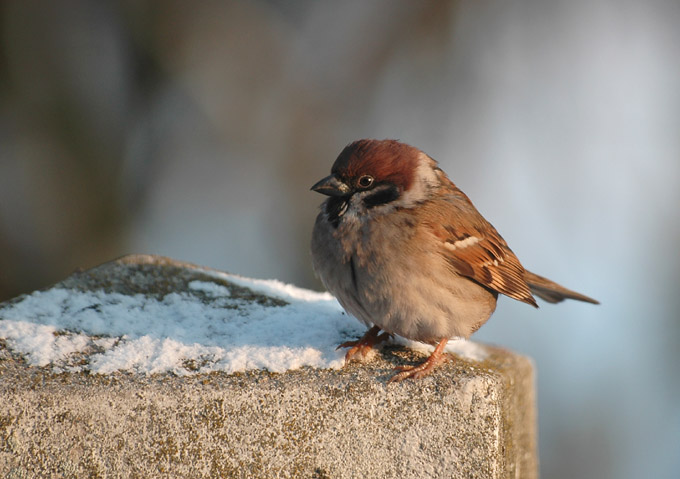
(331, 186)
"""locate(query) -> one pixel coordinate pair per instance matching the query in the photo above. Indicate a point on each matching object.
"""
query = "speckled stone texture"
(468, 420)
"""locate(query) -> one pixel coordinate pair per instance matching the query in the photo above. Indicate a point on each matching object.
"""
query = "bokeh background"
(195, 129)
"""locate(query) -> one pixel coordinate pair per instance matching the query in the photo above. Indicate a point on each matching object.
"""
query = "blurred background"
(195, 129)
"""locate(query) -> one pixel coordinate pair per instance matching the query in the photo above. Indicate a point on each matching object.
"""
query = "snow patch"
(205, 329)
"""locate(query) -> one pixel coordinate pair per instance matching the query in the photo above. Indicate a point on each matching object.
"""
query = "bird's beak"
(331, 186)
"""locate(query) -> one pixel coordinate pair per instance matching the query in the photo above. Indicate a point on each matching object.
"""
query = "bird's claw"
(361, 347)
(424, 368)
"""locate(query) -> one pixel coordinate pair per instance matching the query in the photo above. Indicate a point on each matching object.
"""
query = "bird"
(405, 251)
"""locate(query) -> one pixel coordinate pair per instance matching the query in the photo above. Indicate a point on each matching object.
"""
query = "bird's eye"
(365, 181)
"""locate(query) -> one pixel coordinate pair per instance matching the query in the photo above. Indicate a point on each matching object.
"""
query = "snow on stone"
(105, 332)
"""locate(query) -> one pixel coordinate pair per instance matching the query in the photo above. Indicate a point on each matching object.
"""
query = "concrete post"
(471, 419)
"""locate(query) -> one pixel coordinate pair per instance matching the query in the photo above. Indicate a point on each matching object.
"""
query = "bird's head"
(370, 175)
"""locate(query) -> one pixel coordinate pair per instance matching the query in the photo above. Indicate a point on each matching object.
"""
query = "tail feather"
(552, 292)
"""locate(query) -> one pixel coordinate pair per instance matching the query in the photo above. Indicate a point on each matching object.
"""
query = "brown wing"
(474, 248)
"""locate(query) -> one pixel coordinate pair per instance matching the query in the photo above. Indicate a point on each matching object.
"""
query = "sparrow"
(406, 252)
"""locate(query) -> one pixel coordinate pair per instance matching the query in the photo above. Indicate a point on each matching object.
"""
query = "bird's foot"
(361, 347)
(426, 367)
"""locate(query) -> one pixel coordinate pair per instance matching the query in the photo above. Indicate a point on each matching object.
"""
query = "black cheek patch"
(382, 196)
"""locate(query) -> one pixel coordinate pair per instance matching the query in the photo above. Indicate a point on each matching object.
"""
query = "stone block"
(471, 419)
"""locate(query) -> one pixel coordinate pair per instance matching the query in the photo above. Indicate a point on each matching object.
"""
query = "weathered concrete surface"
(468, 420)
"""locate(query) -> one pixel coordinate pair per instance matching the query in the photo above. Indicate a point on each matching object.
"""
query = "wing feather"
(474, 249)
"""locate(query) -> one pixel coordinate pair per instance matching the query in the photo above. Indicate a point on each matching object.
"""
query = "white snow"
(106, 332)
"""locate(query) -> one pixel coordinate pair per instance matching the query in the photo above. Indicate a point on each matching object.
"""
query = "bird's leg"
(362, 346)
(436, 358)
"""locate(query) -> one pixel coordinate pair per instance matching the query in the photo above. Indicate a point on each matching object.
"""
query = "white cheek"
(425, 179)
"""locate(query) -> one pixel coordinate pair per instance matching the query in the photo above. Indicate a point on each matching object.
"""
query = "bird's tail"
(552, 292)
